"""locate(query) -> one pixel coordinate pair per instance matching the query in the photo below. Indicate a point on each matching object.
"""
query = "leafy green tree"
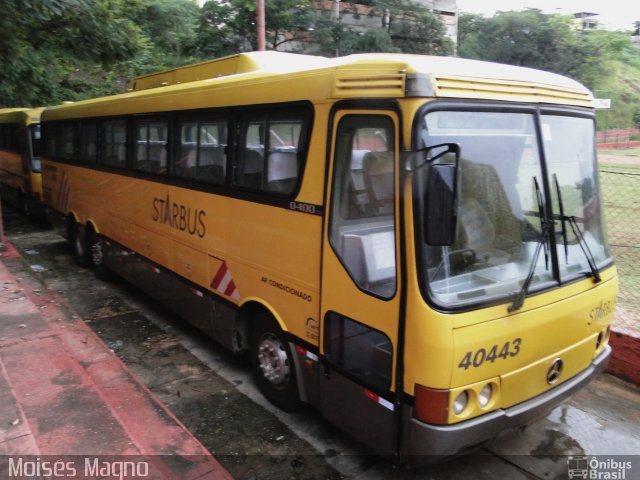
(421, 32)
(408, 28)
(636, 116)
(171, 27)
(534, 39)
(230, 26)
(55, 50)
(336, 39)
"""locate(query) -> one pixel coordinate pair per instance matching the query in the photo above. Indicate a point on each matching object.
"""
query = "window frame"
(247, 116)
(371, 116)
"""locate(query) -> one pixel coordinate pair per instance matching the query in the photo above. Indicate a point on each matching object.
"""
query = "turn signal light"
(431, 405)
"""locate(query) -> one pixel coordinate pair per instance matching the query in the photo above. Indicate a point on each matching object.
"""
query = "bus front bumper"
(428, 443)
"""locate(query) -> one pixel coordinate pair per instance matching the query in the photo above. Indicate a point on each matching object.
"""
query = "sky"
(614, 14)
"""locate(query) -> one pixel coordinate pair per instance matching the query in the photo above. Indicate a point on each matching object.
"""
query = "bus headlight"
(460, 403)
(484, 397)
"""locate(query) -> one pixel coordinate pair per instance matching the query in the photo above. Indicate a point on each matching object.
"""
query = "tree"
(51, 50)
(421, 32)
(636, 116)
(536, 40)
(231, 25)
(406, 27)
(175, 41)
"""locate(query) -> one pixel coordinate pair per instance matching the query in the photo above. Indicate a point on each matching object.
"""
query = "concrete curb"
(66, 393)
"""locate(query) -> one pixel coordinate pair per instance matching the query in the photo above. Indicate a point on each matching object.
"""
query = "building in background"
(360, 17)
(586, 20)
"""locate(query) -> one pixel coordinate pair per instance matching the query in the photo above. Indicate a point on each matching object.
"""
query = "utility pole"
(261, 31)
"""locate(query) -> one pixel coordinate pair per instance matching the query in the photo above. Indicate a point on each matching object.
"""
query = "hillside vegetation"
(57, 50)
(621, 83)
(606, 62)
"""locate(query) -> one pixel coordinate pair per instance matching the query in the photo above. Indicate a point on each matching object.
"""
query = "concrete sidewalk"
(64, 395)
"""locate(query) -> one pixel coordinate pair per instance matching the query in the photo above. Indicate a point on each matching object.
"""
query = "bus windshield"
(512, 209)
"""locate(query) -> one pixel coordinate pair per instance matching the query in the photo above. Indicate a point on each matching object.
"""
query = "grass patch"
(620, 186)
(621, 152)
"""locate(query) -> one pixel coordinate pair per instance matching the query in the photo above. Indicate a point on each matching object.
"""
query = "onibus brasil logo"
(586, 467)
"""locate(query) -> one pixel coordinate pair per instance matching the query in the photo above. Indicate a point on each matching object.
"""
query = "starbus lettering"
(180, 217)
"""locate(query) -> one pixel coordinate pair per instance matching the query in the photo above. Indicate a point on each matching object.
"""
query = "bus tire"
(81, 252)
(23, 202)
(272, 362)
(96, 249)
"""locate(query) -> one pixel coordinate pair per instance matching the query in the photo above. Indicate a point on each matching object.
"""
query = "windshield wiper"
(562, 219)
(584, 246)
(545, 229)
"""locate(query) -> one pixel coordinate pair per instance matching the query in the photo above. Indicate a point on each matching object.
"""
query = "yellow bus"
(20, 176)
(414, 245)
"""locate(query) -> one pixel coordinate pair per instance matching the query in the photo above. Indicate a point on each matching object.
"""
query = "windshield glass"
(572, 167)
(502, 207)
(35, 138)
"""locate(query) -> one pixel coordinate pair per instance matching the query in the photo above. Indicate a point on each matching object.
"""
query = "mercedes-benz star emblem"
(554, 372)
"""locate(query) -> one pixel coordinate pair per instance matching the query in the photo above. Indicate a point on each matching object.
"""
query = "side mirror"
(440, 212)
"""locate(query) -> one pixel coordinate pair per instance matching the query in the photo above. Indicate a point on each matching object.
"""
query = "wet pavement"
(65, 395)
(211, 392)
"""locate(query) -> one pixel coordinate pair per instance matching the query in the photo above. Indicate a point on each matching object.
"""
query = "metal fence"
(621, 194)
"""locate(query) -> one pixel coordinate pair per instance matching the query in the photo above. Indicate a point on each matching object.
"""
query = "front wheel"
(272, 363)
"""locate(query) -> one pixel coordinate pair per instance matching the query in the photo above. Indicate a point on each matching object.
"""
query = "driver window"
(362, 226)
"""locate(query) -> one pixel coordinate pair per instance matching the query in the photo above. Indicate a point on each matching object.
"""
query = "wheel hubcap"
(96, 254)
(79, 246)
(273, 360)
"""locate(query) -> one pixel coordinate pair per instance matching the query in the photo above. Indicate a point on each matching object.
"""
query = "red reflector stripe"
(369, 394)
(219, 276)
(379, 400)
(230, 288)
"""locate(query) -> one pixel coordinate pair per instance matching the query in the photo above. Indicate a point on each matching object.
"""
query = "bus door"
(360, 277)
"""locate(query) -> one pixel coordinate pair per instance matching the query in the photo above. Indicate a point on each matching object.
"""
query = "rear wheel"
(272, 363)
(97, 252)
(81, 250)
(23, 202)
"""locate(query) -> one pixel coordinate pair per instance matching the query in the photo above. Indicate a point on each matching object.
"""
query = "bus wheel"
(96, 249)
(24, 204)
(81, 252)
(272, 363)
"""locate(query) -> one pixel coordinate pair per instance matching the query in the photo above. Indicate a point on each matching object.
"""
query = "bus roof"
(271, 77)
(22, 116)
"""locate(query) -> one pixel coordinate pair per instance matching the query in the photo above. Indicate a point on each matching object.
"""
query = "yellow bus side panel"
(270, 254)
(11, 172)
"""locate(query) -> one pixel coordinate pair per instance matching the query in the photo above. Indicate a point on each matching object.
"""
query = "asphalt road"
(212, 393)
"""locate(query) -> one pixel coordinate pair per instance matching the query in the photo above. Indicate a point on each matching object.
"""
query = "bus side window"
(359, 350)
(150, 153)
(271, 151)
(250, 167)
(201, 152)
(67, 137)
(212, 157)
(114, 138)
(88, 142)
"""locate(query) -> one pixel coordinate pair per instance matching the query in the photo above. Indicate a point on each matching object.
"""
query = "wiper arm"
(543, 222)
(563, 219)
(545, 228)
(584, 246)
(595, 273)
(519, 301)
